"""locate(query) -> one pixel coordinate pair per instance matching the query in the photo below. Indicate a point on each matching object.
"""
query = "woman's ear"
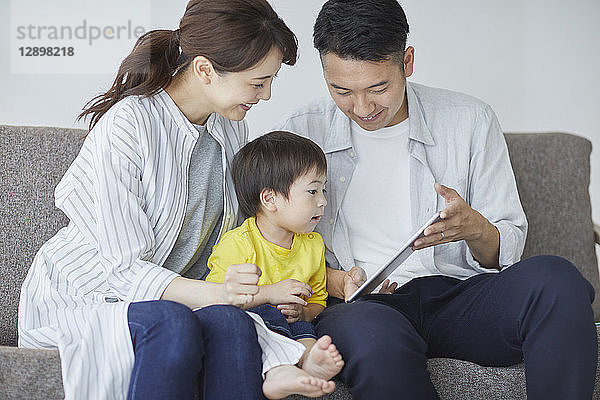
(203, 69)
(267, 200)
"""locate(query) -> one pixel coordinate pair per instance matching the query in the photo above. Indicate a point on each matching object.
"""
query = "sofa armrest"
(597, 233)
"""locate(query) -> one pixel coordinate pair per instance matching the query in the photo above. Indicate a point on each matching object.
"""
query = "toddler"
(280, 185)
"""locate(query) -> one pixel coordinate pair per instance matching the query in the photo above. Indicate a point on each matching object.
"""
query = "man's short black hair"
(369, 30)
(273, 161)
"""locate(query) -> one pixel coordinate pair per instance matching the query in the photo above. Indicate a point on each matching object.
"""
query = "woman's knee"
(166, 327)
(226, 321)
(230, 331)
(168, 316)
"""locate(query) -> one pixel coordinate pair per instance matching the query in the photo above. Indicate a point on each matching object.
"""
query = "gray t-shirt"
(204, 210)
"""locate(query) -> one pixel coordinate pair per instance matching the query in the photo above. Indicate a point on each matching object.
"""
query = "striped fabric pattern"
(125, 196)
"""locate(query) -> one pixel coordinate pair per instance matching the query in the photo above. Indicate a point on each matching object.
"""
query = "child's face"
(303, 209)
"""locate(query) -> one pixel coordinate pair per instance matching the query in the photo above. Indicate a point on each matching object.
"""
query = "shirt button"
(352, 154)
(342, 179)
(331, 221)
(110, 299)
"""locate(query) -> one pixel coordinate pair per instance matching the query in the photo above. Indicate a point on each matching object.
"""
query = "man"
(398, 152)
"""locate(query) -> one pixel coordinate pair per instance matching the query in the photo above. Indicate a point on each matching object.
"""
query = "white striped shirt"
(125, 195)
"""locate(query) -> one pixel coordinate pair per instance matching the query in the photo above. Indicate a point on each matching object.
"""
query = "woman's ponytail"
(147, 69)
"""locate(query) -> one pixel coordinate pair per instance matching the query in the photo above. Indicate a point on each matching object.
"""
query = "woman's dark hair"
(234, 35)
(369, 30)
(273, 161)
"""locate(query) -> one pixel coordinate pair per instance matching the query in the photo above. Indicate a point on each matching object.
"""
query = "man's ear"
(409, 61)
(267, 199)
(203, 69)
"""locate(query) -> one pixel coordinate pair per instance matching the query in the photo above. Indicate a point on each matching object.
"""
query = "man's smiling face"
(370, 93)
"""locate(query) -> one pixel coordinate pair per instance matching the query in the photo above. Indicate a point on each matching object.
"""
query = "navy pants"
(275, 321)
(537, 311)
(212, 353)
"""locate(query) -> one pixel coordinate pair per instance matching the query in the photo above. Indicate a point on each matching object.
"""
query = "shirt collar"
(418, 128)
(213, 124)
(339, 135)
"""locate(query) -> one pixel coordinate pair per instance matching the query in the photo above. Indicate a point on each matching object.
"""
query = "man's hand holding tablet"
(380, 276)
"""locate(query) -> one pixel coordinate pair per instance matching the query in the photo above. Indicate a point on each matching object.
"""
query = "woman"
(147, 198)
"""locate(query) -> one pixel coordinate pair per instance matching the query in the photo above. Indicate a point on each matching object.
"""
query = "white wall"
(535, 61)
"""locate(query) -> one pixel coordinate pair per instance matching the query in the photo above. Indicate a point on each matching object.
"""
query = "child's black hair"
(274, 161)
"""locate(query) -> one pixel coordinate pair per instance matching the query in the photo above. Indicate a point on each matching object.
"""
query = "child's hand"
(286, 292)
(240, 284)
(291, 312)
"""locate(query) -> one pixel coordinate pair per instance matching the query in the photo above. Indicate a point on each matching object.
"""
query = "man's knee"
(381, 347)
(551, 288)
(371, 332)
(556, 276)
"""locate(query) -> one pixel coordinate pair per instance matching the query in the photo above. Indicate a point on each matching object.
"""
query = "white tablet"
(405, 251)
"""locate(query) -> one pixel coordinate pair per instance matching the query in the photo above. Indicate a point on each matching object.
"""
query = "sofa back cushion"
(33, 161)
(552, 172)
(553, 176)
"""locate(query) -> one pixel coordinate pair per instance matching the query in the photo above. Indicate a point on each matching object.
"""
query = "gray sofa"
(552, 171)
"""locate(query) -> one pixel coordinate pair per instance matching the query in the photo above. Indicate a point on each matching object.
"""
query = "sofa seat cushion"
(30, 374)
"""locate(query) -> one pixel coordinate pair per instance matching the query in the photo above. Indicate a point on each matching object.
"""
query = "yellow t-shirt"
(305, 261)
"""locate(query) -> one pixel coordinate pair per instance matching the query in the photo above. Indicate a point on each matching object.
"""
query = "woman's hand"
(240, 284)
(287, 291)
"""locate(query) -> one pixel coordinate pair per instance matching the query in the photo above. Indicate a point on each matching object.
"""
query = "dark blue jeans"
(275, 321)
(537, 311)
(212, 353)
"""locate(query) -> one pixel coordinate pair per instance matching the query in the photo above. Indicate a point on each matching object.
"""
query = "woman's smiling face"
(234, 93)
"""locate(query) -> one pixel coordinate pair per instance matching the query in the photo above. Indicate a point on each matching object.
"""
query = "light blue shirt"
(455, 140)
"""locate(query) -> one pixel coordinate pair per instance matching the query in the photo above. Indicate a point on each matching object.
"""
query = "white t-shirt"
(380, 182)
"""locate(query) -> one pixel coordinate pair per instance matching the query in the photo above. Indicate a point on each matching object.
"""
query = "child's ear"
(267, 200)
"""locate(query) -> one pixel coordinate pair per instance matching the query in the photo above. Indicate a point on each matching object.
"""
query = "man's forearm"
(486, 248)
(311, 310)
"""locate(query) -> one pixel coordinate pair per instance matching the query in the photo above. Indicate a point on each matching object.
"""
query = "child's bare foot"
(323, 360)
(285, 380)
